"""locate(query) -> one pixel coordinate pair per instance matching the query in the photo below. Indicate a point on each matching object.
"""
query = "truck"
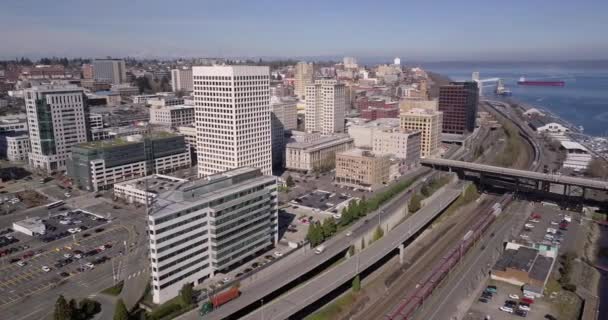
(319, 249)
(224, 297)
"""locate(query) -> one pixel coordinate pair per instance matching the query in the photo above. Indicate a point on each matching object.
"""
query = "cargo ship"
(523, 82)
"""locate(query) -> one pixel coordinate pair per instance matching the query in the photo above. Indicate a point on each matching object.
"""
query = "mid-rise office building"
(325, 107)
(458, 102)
(284, 118)
(408, 104)
(232, 118)
(304, 77)
(363, 132)
(181, 80)
(208, 226)
(57, 117)
(88, 72)
(125, 90)
(173, 116)
(13, 123)
(360, 168)
(95, 121)
(98, 165)
(308, 152)
(110, 70)
(429, 123)
(14, 146)
(405, 145)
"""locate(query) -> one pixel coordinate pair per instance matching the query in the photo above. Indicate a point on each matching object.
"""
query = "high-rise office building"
(350, 63)
(325, 107)
(304, 77)
(458, 102)
(58, 119)
(110, 70)
(232, 118)
(428, 122)
(181, 80)
(206, 226)
(284, 118)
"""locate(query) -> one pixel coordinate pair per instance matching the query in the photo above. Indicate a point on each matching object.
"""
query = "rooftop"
(571, 145)
(382, 123)
(357, 152)
(155, 183)
(310, 141)
(104, 144)
(520, 259)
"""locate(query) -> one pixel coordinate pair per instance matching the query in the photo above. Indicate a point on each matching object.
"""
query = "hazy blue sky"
(414, 30)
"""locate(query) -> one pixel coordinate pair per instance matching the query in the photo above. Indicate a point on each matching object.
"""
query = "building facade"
(99, 165)
(363, 133)
(458, 102)
(181, 80)
(429, 124)
(309, 152)
(110, 70)
(88, 72)
(304, 77)
(15, 146)
(208, 226)
(16, 123)
(360, 168)
(232, 118)
(173, 116)
(165, 101)
(325, 107)
(400, 144)
(95, 121)
(57, 120)
(148, 187)
(284, 118)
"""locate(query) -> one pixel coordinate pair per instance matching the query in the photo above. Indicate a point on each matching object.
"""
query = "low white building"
(136, 190)
(306, 152)
(173, 116)
(165, 101)
(143, 98)
(15, 146)
(30, 226)
(577, 156)
(13, 123)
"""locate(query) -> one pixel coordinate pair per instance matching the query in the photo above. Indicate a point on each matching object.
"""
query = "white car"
(524, 307)
(529, 225)
(568, 218)
(529, 296)
(67, 195)
(226, 279)
(524, 236)
(76, 222)
(549, 237)
(348, 233)
(77, 229)
(555, 223)
(551, 230)
(21, 263)
(78, 256)
(64, 221)
(514, 296)
(278, 254)
(46, 269)
(72, 230)
(89, 265)
(506, 309)
(67, 255)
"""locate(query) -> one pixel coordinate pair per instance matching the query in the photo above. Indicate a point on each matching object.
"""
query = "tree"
(186, 294)
(356, 283)
(62, 309)
(121, 312)
(73, 307)
(289, 181)
(315, 234)
(597, 168)
(378, 233)
(415, 203)
(88, 308)
(329, 227)
(363, 209)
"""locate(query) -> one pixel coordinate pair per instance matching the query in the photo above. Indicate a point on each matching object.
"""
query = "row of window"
(182, 250)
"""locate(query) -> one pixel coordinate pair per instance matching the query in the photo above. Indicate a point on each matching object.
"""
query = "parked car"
(506, 309)
(46, 269)
(521, 313)
(524, 306)
(514, 296)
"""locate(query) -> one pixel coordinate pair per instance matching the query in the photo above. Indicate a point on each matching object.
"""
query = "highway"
(300, 297)
(546, 177)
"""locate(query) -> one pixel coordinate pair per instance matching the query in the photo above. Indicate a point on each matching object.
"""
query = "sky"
(420, 30)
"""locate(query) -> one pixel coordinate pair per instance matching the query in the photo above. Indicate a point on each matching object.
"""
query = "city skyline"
(415, 31)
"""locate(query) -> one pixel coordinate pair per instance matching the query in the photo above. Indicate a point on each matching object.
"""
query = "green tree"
(329, 227)
(289, 182)
(88, 308)
(347, 217)
(378, 233)
(356, 283)
(186, 294)
(415, 203)
(315, 234)
(62, 309)
(121, 312)
(363, 209)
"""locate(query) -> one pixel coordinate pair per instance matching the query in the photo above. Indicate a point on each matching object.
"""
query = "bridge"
(542, 181)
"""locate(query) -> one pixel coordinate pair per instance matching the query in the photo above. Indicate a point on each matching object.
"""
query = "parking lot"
(550, 218)
(69, 223)
(320, 200)
(64, 259)
(491, 308)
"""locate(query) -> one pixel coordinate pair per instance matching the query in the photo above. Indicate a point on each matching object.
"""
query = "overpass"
(302, 296)
(544, 179)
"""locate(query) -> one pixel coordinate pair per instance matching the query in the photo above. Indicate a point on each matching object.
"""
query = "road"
(303, 295)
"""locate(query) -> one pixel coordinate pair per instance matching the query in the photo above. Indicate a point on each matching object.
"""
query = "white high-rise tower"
(57, 117)
(325, 107)
(232, 118)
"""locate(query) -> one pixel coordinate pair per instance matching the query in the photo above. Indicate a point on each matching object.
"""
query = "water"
(582, 102)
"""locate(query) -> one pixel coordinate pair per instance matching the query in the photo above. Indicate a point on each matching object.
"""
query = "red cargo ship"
(523, 82)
